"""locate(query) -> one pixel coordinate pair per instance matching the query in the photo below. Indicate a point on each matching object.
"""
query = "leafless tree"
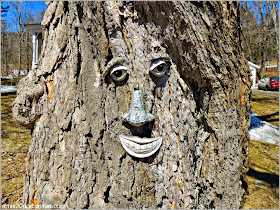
(5, 53)
(260, 29)
(21, 14)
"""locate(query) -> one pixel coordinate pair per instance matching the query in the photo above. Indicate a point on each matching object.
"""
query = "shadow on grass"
(266, 117)
(267, 99)
(271, 179)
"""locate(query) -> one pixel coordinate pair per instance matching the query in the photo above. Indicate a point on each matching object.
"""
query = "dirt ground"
(262, 177)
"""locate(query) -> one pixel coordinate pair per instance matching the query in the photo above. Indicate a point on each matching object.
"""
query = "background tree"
(38, 17)
(260, 32)
(248, 23)
(200, 105)
(5, 53)
(275, 23)
(4, 29)
(22, 14)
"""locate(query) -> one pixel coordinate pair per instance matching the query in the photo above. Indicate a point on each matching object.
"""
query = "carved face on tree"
(156, 66)
(145, 102)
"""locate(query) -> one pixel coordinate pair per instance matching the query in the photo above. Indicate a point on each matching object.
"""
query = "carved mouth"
(140, 147)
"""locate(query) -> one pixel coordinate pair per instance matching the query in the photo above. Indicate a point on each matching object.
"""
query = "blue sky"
(36, 7)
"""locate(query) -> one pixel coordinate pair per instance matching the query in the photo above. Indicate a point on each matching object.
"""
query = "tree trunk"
(263, 39)
(171, 73)
(28, 54)
(274, 15)
(20, 49)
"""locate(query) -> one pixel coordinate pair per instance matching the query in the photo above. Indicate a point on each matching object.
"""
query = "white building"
(37, 41)
(253, 67)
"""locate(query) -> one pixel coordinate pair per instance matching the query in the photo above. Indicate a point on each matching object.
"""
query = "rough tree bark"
(200, 106)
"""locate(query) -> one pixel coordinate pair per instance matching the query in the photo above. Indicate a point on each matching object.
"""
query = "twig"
(272, 200)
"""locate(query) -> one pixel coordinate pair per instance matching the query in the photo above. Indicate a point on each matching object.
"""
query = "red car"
(273, 83)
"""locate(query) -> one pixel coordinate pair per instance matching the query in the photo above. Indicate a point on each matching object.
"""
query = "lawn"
(263, 174)
(262, 177)
(14, 149)
(267, 108)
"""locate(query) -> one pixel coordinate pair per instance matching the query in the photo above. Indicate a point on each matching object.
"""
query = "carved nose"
(137, 115)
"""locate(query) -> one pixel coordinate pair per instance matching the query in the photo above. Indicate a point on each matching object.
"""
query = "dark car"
(273, 83)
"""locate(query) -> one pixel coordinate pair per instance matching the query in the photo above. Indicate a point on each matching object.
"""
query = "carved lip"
(140, 147)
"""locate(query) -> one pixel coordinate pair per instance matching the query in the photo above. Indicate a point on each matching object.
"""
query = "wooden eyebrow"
(154, 56)
(111, 63)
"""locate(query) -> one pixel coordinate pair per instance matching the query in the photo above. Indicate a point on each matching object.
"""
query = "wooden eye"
(158, 67)
(118, 72)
